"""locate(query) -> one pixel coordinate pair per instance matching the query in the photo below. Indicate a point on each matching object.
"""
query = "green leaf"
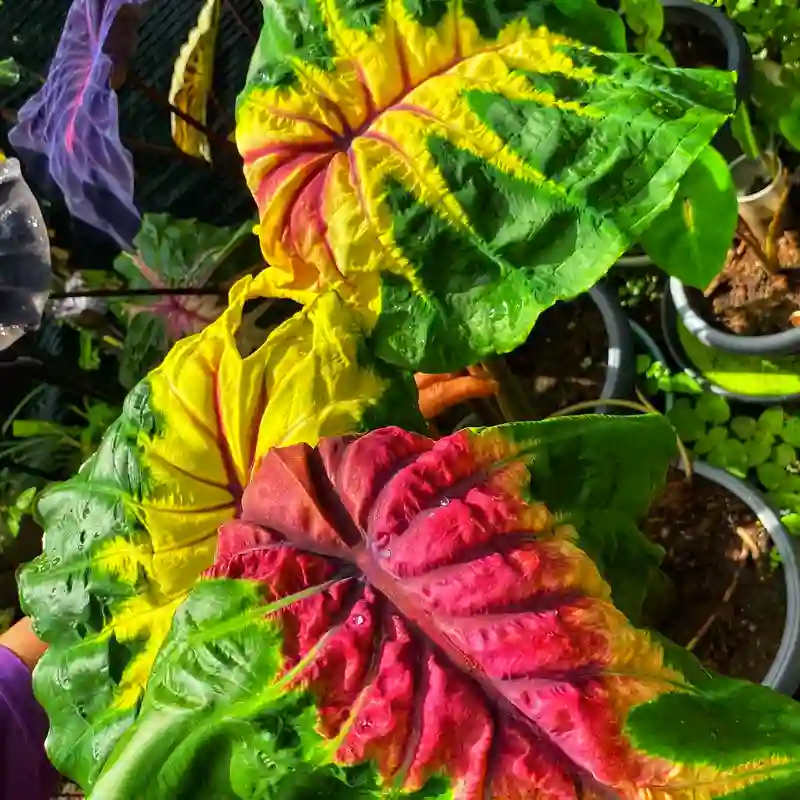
(146, 343)
(683, 383)
(711, 441)
(744, 427)
(792, 523)
(742, 129)
(601, 477)
(790, 432)
(643, 17)
(735, 456)
(691, 238)
(771, 420)
(713, 408)
(688, 424)
(772, 476)
(758, 450)
(9, 72)
(643, 363)
(784, 454)
(25, 499)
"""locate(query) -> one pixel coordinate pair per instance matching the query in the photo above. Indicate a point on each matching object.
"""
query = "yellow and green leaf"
(127, 538)
(192, 77)
(453, 172)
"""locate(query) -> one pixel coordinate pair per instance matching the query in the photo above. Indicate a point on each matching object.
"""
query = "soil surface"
(746, 299)
(691, 47)
(564, 359)
(729, 598)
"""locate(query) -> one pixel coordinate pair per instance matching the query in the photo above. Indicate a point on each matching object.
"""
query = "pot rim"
(669, 321)
(784, 672)
(773, 344)
(761, 193)
(620, 371)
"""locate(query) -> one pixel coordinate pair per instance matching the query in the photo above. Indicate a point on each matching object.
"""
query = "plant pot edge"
(774, 344)
(620, 369)
(669, 319)
(784, 672)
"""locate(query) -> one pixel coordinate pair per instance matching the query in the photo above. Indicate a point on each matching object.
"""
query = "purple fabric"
(25, 773)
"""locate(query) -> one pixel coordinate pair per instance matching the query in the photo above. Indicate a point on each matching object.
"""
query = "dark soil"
(708, 561)
(746, 299)
(564, 359)
(691, 47)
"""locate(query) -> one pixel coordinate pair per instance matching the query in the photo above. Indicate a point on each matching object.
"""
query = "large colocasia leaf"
(391, 613)
(69, 130)
(453, 169)
(126, 538)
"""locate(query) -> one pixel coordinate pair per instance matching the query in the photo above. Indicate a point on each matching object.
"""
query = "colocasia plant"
(268, 582)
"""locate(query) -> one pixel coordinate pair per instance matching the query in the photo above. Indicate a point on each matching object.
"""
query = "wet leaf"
(408, 611)
(129, 535)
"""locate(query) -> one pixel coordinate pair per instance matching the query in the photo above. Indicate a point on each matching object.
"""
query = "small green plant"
(762, 449)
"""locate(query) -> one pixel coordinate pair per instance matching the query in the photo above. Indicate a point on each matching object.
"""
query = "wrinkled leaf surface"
(127, 537)
(410, 604)
(453, 172)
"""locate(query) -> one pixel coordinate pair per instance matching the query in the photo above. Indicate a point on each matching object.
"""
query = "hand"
(23, 642)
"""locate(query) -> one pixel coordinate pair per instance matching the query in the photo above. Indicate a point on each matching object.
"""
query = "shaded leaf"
(412, 606)
(69, 129)
(9, 73)
(691, 238)
(453, 172)
(127, 537)
(176, 253)
(192, 78)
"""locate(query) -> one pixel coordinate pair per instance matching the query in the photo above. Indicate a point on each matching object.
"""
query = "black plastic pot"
(669, 329)
(784, 674)
(713, 22)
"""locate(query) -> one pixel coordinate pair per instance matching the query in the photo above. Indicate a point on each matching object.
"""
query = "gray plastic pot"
(621, 370)
(686, 304)
(669, 327)
(784, 673)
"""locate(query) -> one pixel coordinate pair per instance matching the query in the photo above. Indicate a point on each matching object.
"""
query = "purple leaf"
(69, 129)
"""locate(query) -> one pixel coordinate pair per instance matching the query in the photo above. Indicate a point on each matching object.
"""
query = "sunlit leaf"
(192, 78)
(452, 172)
(126, 538)
(691, 238)
(409, 611)
(69, 129)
